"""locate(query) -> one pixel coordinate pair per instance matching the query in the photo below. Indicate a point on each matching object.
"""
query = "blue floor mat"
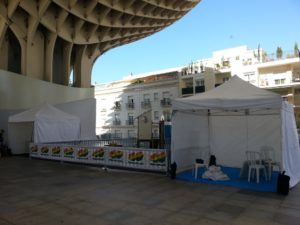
(235, 180)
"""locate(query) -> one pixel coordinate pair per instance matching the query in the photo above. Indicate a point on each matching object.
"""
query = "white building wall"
(106, 97)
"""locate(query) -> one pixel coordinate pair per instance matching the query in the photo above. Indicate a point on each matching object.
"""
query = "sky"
(211, 26)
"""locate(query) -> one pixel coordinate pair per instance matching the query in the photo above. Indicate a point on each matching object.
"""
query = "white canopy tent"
(46, 123)
(231, 119)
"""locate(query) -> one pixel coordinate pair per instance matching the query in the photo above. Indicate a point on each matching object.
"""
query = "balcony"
(200, 89)
(166, 102)
(275, 56)
(116, 122)
(130, 105)
(146, 104)
(187, 91)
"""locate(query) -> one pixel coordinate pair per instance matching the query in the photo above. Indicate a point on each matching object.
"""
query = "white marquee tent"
(231, 119)
(44, 123)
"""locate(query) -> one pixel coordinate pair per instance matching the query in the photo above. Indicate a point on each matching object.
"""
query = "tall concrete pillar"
(78, 65)
(49, 49)
(67, 62)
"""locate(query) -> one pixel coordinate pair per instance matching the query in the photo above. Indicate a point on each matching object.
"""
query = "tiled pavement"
(46, 192)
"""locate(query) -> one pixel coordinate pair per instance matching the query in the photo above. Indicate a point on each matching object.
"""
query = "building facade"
(119, 103)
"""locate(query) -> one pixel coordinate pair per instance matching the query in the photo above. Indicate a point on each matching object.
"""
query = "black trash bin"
(173, 168)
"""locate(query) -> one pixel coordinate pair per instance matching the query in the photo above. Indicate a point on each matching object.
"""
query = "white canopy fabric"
(231, 119)
(50, 124)
(233, 94)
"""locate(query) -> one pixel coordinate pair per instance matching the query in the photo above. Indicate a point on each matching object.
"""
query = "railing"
(187, 90)
(130, 105)
(285, 55)
(166, 102)
(116, 122)
(199, 89)
(146, 104)
(111, 156)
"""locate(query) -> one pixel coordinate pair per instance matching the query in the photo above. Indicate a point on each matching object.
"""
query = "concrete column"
(88, 59)
(86, 73)
(4, 54)
(3, 27)
(78, 66)
(3, 45)
(35, 56)
(22, 41)
(67, 62)
(49, 49)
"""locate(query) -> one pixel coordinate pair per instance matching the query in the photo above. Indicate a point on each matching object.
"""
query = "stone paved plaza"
(47, 192)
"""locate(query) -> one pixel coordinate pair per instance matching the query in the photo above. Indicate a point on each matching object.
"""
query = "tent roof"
(45, 110)
(233, 94)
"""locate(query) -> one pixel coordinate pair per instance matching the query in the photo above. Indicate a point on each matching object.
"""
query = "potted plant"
(279, 53)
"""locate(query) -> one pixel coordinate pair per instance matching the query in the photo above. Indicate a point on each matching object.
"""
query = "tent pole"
(208, 124)
(247, 130)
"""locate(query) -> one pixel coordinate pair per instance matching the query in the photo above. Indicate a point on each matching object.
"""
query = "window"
(225, 79)
(202, 68)
(280, 81)
(200, 82)
(155, 96)
(130, 98)
(130, 103)
(156, 115)
(167, 116)
(130, 119)
(196, 69)
(117, 120)
(146, 97)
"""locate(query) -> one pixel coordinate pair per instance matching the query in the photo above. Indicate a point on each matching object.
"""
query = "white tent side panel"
(19, 136)
(228, 137)
(49, 130)
(265, 130)
(231, 136)
(85, 110)
(290, 144)
(189, 139)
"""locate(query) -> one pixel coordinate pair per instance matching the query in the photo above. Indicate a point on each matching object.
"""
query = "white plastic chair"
(205, 157)
(268, 158)
(199, 165)
(255, 163)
